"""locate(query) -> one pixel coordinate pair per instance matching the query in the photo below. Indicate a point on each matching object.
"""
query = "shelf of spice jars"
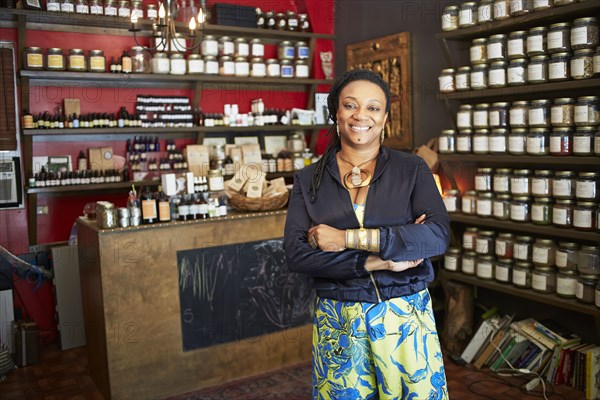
(73, 22)
(524, 91)
(545, 17)
(147, 131)
(546, 298)
(521, 159)
(65, 78)
(544, 230)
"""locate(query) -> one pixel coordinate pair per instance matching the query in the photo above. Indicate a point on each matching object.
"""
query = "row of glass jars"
(540, 252)
(542, 113)
(55, 60)
(561, 141)
(117, 8)
(567, 283)
(241, 47)
(582, 64)
(471, 13)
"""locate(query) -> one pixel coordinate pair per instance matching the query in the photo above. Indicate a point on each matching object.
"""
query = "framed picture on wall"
(32, 4)
(274, 144)
(215, 141)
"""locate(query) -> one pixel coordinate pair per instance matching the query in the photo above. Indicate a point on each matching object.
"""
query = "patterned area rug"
(290, 383)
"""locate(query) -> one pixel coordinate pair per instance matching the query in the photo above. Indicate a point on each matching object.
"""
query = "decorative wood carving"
(389, 56)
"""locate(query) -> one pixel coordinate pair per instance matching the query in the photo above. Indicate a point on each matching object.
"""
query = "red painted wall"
(63, 210)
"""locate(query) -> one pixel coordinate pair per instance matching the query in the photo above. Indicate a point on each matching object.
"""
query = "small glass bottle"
(97, 61)
(469, 238)
(517, 44)
(485, 11)
(562, 213)
(519, 114)
(178, 65)
(480, 116)
(462, 78)
(467, 14)
(583, 141)
(584, 34)
(501, 9)
(478, 51)
(468, 262)
(195, 64)
(562, 112)
(447, 141)
(559, 67)
(588, 260)
(77, 61)
(497, 74)
(81, 7)
(537, 70)
(451, 200)
(479, 74)
(541, 183)
(483, 179)
(520, 182)
(160, 63)
(52, 5)
(484, 267)
(584, 216)
(226, 46)
(301, 69)
(501, 206)
(504, 245)
(536, 41)
(586, 288)
(541, 211)
(543, 280)
(543, 253)
(517, 141)
(258, 68)
(302, 51)
(587, 186)
(483, 204)
(498, 141)
(55, 59)
(566, 255)
(67, 6)
(498, 115)
(587, 111)
(463, 141)
(520, 209)
(501, 180)
(563, 185)
(503, 271)
(521, 274)
(559, 38)
(520, 7)
(539, 113)
(481, 142)
(446, 80)
(452, 259)
(241, 47)
(209, 46)
(516, 72)
(468, 205)
(450, 18)
(496, 48)
(257, 48)
(566, 283)
(273, 68)
(582, 64)
(538, 141)
(464, 117)
(539, 5)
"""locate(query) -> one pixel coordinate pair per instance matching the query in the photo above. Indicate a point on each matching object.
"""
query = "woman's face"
(361, 113)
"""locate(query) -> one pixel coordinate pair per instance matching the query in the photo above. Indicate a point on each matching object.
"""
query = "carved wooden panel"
(389, 56)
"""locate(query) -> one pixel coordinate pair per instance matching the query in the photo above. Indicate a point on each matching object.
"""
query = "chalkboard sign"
(233, 292)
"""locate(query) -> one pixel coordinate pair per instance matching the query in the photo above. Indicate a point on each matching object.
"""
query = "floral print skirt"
(388, 350)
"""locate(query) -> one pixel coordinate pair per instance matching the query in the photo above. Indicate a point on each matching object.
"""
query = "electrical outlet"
(42, 210)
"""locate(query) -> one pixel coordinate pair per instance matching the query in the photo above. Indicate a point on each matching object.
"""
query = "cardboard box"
(26, 343)
(101, 158)
(72, 106)
(198, 159)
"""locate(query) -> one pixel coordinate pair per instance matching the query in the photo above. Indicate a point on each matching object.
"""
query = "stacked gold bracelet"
(363, 239)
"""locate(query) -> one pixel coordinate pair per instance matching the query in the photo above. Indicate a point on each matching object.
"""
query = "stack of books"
(545, 348)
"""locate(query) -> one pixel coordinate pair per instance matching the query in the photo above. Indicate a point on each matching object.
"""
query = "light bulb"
(192, 24)
(200, 16)
(161, 11)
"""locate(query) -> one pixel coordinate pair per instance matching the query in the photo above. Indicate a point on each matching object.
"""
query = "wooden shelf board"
(530, 294)
(525, 90)
(524, 159)
(543, 17)
(529, 228)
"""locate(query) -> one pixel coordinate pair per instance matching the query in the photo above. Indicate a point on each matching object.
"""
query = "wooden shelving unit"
(517, 160)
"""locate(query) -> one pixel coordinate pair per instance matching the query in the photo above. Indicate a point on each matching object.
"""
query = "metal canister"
(123, 214)
(106, 215)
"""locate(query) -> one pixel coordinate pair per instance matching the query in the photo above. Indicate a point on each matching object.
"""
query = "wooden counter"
(131, 300)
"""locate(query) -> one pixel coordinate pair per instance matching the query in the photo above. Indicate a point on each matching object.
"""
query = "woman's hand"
(374, 263)
(327, 238)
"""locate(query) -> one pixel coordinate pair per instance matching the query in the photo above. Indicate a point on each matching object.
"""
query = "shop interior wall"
(63, 210)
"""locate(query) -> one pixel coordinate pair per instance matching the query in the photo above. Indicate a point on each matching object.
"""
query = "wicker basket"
(244, 203)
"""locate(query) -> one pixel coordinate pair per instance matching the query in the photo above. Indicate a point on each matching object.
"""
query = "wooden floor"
(63, 375)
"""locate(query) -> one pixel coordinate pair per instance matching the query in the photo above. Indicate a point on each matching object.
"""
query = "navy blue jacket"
(401, 190)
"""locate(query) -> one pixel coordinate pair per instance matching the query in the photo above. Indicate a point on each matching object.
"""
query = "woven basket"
(244, 203)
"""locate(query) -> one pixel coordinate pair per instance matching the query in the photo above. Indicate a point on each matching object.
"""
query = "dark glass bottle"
(149, 209)
(164, 208)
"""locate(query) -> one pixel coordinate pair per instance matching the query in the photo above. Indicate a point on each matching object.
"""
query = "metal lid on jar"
(469, 4)
(522, 171)
(105, 204)
(486, 257)
(518, 131)
(503, 196)
(588, 247)
(176, 56)
(33, 49)
(544, 269)
(450, 8)
(505, 235)
(540, 102)
(592, 204)
(503, 171)
(452, 191)
(544, 200)
(485, 170)
(224, 39)
(75, 51)
(564, 100)
(497, 37)
(214, 172)
(453, 250)
(482, 105)
(194, 57)
(540, 131)
(240, 40)
(517, 34)
(519, 61)
(482, 131)
(480, 41)
(256, 41)
(589, 174)
(541, 58)
(524, 264)
(585, 20)
(560, 25)
(586, 129)
(520, 103)
(472, 228)
(589, 277)
(522, 198)
(583, 52)
(568, 245)
(160, 55)
(567, 272)
(562, 130)
(225, 58)
(208, 38)
(537, 30)
(448, 71)
(506, 261)
(498, 64)
(560, 55)
(301, 44)
(486, 195)
(96, 52)
(137, 48)
(464, 69)
(465, 107)
(465, 132)
(448, 132)
(55, 50)
(500, 104)
(543, 172)
(241, 59)
(499, 131)
(564, 173)
(588, 98)
(565, 201)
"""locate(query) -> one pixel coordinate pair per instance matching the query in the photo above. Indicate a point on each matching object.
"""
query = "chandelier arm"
(146, 48)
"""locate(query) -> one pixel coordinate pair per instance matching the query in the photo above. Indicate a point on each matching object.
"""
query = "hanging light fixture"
(166, 29)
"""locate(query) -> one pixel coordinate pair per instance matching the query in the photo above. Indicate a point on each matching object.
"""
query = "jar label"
(215, 183)
(243, 50)
(502, 273)
(497, 77)
(494, 117)
(303, 52)
(484, 209)
(97, 64)
(96, 10)
(561, 259)
(484, 12)
(577, 67)
(82, 9)
(566, 286)
(501, 9)
(596, 64)
(467, 206)
(582, 144)
(196, 66)
(450, 203)
(555, 40)
(76, 62)
(227, 48)
(35, 60)
(468, 266)
(519, 185)
(482, 183)
(273, 70)
(517, 117)
(579, 290)
(149, 209)
(494, 51)
(243, 69)
(585, 190)
(287, 71)
(478, 80)
(515, 47)
(67, 7)
(465, 17)
(535, 145)
(535, 44)
(497, 144)
(516, 75)
(481, 144)
(597, 145)
(463, 119)
(124, 12)
(579, 36)
(535, 72)
(258, 50)
(259, 69)
(209, 48)
(499, 209)
(450, 263)
(519, 277)
(540, 3)
(582, 218)
(53, 6)
(443, 143)
(539, 186)
(449, 22)
(537, 116)
(484, 269)
(55, 61)
(556, 115)
(581, 114)
(518, 212)
(557, 70)
(537, 212)
(500, 248)
(516, 144)
(562, 187)
(501, 184)
(110, 10)
(446, 83)
(463, 143)
(538, 282)
(480, 119)
(212, 67)
(559, 216)
(462, 81)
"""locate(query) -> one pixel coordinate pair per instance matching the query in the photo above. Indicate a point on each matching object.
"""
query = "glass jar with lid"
(519, 114)
(209, 46)
(586, 288)
(587, 111)
(584, 34)
(195, 64)
(226, 66)
(96, 61)
(521, 274)
(463, 141)
(478, 51)
(584, 216)
(447, 141)
(520, 209)
(566, 256)
(226, 46)
(583, 141)
(559, 38)
(597, 143)
(559, 67)
(485, 242)
(280, 22)
(464, 117)
(483, 204)
(34, 59)
(539, 5)
(481, 142)
(451, 200)
(452, 259)
(539, 113)
(504, 245)
(110, 8)
(523, 248)
(468, 202)
(498, 141)
(541, 183)
(52, 5)
(485, 11)
(498, 115)
(462, 78)
(520, 7)
(537, 70)
(516, 72)
(536, 41)
(301, 69)
(446, 81)
(501, 207)
(483, 179)
(484, 267)
(497, 74)
(450, 18)
(469, 259)
(517, 141)
(67, 6)
(241, 47)
(140, 60)
(124, 11)
(582, 64)
(563, 185)
(541, 211)
(257, 48)
(467, 14)
(562, 213)
(596, 61)
(587, 186)
(273, 68)
(517, 44)
(469, 238)
(242, 66)
(543, 253)
(81, 7)
(96, 7)
(302, 50)
(137, 10)
(566, 283)
(520, 182)
(543, 280)
(562, 112)
(501, 180)
(178, 65)
(287, 69)
(588, 260)
(55, 59)
(503, 271)
(501, 9)
(561, 141)
(160, 63)
(77, 61)
(538, 141)
(292, 21)
(151, 12)
(258, 68)
(496, 48)
(286, 51)
(479, 74)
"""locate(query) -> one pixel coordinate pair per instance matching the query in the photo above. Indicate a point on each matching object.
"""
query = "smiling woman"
(356, 223)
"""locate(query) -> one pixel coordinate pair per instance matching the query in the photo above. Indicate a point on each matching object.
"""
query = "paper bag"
(429, 153)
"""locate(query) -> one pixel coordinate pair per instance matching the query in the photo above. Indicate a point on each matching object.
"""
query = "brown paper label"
(148, 209)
